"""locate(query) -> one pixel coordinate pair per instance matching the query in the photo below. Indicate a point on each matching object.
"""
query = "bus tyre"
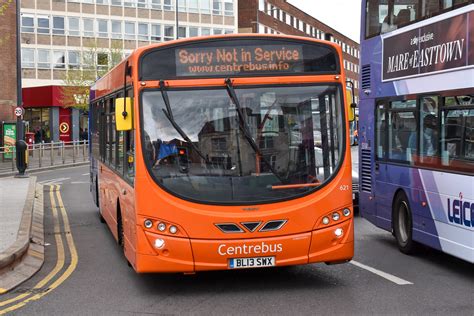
(403, 224)
(119, 228)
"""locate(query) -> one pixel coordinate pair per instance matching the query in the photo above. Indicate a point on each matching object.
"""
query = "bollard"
(62, 153)
(52, 152)
(21, 160)
(40, 154)
(73, 152)
(84, 150)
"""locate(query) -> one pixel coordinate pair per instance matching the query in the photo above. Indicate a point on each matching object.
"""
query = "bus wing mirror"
(351, 106)
(123, 114)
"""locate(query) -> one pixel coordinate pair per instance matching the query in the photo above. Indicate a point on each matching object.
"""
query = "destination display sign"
(239, 57)
(436, 47)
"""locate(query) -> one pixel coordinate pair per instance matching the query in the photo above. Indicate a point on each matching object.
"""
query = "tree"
(95, 63)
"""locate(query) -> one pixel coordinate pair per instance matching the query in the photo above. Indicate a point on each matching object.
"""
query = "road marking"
(53, 181)
(382, 274)
(61, 256)
(85, 174)
(80, 182)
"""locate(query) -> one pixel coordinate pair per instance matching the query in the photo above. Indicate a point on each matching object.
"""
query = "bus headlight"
(338, 232)
(173, 229)
(159, 243)
(335, 216)
(148, 223)
(325, 220)
(346, 212)
(161, 227)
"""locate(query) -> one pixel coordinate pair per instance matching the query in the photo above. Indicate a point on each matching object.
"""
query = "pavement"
(21, 231)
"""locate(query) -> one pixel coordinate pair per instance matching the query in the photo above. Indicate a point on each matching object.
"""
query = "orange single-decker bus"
(225, 152)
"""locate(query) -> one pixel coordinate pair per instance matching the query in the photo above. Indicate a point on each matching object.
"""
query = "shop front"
(48, 119)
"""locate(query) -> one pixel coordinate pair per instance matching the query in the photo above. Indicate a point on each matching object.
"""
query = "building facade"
(280, 17)
(56, 34)
(8, 88)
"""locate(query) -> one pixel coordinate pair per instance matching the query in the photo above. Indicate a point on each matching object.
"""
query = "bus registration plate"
(242, 263)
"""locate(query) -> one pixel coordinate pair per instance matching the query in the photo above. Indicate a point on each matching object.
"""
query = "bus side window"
(130, 155)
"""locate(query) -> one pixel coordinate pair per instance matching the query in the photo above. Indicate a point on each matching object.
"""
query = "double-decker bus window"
(401, 130)
(429, 128)
(457, 134)
(383, 16)
(104, 131)
(222, 164)
(381, 131)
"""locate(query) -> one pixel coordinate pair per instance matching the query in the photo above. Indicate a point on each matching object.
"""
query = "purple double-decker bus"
(416, 122)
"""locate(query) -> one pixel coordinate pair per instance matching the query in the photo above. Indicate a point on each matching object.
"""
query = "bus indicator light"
(161, 227)
(148, 223)
(346, 212)
(173, 229)
(335, 216)
(325, 220)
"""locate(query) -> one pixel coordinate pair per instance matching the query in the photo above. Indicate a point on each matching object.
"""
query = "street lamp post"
(177, 18)
(21, 146)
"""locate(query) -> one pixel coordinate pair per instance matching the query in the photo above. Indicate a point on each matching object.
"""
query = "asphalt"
(103, 284)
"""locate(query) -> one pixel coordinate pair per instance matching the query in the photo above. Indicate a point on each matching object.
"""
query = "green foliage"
(96, 62)
(5, 4)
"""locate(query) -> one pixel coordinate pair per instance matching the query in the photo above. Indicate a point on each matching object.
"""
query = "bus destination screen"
(238, 57)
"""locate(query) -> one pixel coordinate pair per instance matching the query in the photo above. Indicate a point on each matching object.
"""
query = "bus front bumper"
(192, 255)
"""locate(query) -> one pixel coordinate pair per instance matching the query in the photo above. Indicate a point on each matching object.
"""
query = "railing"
(45, 155)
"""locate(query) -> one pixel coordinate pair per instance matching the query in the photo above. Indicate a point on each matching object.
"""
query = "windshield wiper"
(245, 128)
(169, 115)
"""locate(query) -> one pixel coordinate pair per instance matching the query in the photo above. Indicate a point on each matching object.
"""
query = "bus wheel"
(403, 224)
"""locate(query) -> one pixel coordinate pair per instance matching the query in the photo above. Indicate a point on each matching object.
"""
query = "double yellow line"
(23, 299)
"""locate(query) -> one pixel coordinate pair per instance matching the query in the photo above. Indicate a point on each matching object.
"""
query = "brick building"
(280, 17)
(8, 88)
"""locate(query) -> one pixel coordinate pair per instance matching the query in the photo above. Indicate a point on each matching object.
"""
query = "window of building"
(261, 5)
(216, 7)
(205, 31)
(169, 33)
(58, 25)
(229, 7)
(182, 5)
(27, 24)
(288, 19)
(219, 144)
(102, 61)
(193, 6)
(156, 32)
(217, 31)
(143, 32)
(88, 25)
(130, 30)
(229, 31)
(102, 2)
(155, 4)
(116, 2)
(182, 32)
(43, 24)
(27, 58)
(205, 6)
(141, 3)
(73, 60)
(44, 59)
(73, 29)
(117, 29)
(59, 59)
(103, 28)
(129, 3)
(168, 5)
(193, 31)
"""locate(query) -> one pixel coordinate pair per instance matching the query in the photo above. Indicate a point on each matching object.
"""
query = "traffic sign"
(18, 111)
(64, 127)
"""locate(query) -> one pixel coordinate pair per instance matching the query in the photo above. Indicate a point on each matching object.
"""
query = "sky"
(341, 15)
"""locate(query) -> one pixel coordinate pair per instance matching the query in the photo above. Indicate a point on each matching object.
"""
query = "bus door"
(381, 189)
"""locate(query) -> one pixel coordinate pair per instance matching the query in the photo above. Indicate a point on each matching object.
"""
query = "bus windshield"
(285, 142)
